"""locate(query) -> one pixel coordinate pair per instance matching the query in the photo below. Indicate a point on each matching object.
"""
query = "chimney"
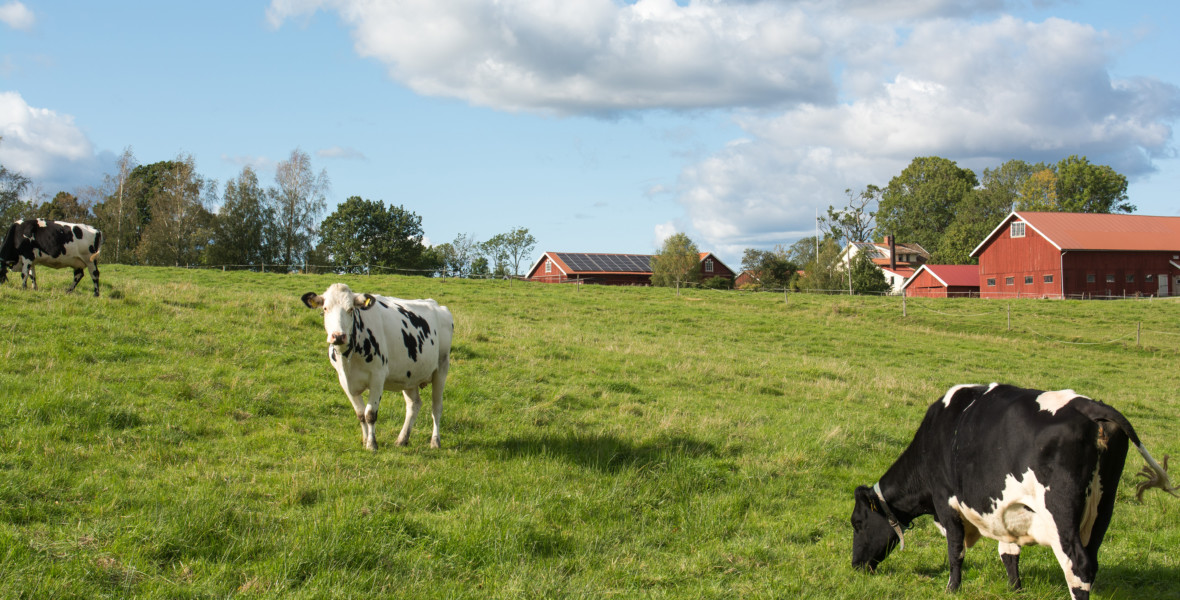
(892, 252)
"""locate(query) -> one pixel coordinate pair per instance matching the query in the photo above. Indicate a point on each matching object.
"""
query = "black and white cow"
(1019, 466)
(377, 342)
(55, 244)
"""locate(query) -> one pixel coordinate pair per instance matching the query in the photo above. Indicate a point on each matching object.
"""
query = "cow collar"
(893, 522)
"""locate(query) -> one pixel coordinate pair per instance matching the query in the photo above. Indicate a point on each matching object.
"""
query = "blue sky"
(601, 126)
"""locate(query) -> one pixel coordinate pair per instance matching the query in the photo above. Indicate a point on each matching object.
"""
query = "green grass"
(184, 436)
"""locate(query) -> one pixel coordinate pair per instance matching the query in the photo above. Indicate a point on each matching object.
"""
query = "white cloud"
(43, 145)
(831, 94)
(17, 16)
(341, 153)
(664, 231)
(589, 56)
(979, 94)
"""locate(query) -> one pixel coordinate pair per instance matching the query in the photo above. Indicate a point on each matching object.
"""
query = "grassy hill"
(184, 436)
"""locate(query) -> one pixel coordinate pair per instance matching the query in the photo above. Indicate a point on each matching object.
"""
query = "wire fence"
(965, 314)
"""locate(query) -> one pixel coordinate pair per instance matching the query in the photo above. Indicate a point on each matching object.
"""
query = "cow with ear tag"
(378, 342)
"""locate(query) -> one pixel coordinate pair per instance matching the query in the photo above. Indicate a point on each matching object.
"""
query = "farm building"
(611, 269)
(943, 281)
(1079, 255)
(896, 261)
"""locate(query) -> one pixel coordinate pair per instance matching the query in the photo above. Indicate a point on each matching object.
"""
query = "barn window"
(991, 282)
(1028, 280)
(1130, 278)
(1090, 278)
(1150, 277)
(1009, 281)
(548, 266)
(1110, 278)
(1048, 279)
(1018, 229)
(709, 265)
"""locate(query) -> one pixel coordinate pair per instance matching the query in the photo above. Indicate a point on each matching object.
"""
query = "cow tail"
(1154, 474)
(97, 246)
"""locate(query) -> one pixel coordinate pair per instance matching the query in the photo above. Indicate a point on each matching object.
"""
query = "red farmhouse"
(1078, 255)
(943, 281)
(610, 269)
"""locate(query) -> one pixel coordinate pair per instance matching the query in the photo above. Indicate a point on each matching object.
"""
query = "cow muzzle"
(337, 339)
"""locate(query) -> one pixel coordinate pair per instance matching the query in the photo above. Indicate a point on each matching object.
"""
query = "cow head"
(338, 304)
(873, 538)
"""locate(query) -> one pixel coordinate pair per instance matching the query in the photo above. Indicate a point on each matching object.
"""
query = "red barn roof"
(1087, 231)
(953, 275)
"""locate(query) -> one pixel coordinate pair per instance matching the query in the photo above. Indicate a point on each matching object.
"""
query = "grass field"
(184, 436)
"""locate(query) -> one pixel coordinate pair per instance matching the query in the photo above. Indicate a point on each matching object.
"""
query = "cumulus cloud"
(589, 56)
(978, 93)
(831, 94)
(17, 16)
(43, 145)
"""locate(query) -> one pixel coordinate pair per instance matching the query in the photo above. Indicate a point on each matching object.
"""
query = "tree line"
(939, 205)
(166, 213)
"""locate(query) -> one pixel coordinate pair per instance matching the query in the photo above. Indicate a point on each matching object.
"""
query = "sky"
(599, 125)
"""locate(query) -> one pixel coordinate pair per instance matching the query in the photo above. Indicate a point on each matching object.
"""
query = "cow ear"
(313, 300)
(365, 302)
(864, 494)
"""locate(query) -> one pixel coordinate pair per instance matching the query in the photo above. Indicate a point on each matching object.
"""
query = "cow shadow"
(604, 453)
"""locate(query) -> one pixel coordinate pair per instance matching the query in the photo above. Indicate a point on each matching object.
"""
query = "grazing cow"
(377, 342)
(1018, 466)
(55, 244)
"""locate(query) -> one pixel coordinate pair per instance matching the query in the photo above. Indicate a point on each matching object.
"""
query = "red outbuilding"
(1080, 255)
(943, 281)
(611, 269)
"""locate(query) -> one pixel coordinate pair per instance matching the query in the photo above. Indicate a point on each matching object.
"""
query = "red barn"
(1080, 255)
(943, 281)
(611, 269)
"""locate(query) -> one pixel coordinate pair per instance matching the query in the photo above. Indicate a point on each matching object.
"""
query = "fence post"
(784, 295)
(1009, 316)
(903, 303)
(1138, 330)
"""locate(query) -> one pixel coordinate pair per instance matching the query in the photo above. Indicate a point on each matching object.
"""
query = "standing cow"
(1019, 466)
(55, 244)
(377, 342)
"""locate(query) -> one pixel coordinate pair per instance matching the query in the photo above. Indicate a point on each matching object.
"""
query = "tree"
(803, 251)
(180, 228)
(866, 277)
(1039, 192)
(496, 251)
(113, 214)
(12, 186)
(65, 207)
(824, 273)
(921, 202)
(363, 233)
(243, 228)
(463, 252)
(299, 200)
(518, 245)
(678, 262)
(772, 268)
(854, 223)
(1088, 188)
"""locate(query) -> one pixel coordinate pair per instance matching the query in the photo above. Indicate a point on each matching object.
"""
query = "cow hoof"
(435, 443)
(403, 441)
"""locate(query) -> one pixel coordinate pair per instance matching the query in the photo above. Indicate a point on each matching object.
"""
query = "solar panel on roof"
(626, 263)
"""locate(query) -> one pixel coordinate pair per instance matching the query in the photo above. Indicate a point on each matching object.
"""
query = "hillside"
(184, 436)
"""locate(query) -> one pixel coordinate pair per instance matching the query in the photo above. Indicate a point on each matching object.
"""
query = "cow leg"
(956, 548)
(78, 273)
(94, 276)
(358, 407)
(27, 273)
(1010, 556)
(436, 402)
(1076, 563)
(413, 405)
(376, 387)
